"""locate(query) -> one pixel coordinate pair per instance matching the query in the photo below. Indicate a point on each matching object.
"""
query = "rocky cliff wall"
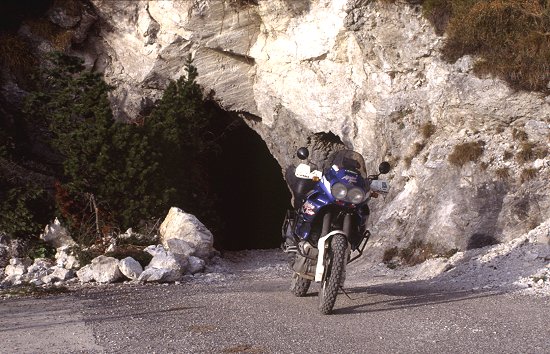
(370, 73)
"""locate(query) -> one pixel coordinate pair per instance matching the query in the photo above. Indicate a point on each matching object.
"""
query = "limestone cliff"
(367, 71)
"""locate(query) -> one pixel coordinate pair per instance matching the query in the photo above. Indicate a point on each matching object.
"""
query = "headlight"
(339, 191)
(356, 195)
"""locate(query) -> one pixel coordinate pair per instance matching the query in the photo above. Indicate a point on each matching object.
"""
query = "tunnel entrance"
(253, 196)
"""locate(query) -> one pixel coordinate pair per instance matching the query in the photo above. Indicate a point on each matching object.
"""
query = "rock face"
(367, 71)
(183, 234)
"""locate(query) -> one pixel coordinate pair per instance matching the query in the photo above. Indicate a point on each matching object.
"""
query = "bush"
(510, 37)
(528, 174)
(427, 130)
(529, 152)
(466, 152)
(24, 210)
(113, 174)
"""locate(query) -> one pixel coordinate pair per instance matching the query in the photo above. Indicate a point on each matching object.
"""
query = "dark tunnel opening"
(253, 196)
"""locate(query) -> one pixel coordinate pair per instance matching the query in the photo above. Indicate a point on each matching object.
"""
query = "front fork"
(324, 242)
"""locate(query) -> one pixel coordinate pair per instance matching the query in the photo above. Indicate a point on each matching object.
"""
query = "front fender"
(320, 269)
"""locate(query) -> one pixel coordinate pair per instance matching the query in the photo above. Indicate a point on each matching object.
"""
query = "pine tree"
(179, 127)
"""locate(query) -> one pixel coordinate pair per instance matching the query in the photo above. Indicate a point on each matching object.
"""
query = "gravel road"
(244, 306)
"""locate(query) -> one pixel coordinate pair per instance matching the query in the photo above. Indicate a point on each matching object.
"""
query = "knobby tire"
(335, 268)
(299, 286)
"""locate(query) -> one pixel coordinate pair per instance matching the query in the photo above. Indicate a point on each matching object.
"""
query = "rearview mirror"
(303, 153)
(384, 167)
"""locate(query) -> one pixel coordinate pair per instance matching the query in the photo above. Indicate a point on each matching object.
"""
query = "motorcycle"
(329, 221)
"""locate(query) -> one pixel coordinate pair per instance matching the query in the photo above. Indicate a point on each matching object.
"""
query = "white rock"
(130, 268)
(153, 250)
(196, 265)
(180, 247)
(85, 274)
(66, 259)
(167, 260)
(62, 274)
(158, 275)
(57, 235)
(17, 266)
(105, 269)
(182, 226)
(36, 282)
(40, 265)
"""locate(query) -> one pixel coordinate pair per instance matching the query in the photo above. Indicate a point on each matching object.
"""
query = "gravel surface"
(244, 306)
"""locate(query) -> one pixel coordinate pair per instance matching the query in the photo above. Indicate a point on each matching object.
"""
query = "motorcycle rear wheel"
(299, 286)
(335, 266)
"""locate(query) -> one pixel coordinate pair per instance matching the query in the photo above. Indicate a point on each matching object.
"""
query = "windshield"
(349, 160)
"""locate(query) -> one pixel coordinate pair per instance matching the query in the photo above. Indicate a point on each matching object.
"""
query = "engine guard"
(320, 269)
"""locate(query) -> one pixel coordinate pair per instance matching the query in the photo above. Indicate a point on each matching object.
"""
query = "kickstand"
(345, 293)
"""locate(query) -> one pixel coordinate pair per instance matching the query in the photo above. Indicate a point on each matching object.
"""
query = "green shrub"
(116, 174)
(24, 210)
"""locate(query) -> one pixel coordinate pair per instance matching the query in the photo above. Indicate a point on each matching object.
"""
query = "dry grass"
(528, 174)
(466, 152)
(502, 173)
(427, 130)
(530, 152)
(519, 135)
(416, 149)
(507, 155)
(72, 7)
(390, 254)
(16, 56)
(59, 38)
(511, 37)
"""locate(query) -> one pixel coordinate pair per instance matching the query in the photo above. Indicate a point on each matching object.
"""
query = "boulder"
(196, 265)
(65, 258)
(85, 274)
(153, 250)
(164, 267)
(159, 275)
(40, 268)
(36, 282)
(58, 275)
(179, 225)
(105, 269)
(167, 260)
(12, 280)
(62, 274)
(130, 268)
(17, 266)
(56, 235)
(136, 238)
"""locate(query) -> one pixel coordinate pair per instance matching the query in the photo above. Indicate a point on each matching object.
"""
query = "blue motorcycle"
(328, 221)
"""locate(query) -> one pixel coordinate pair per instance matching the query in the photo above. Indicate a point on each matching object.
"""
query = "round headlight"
(339, 191)
(356, 195)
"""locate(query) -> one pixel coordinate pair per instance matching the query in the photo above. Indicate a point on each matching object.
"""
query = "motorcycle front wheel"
(335, 265)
